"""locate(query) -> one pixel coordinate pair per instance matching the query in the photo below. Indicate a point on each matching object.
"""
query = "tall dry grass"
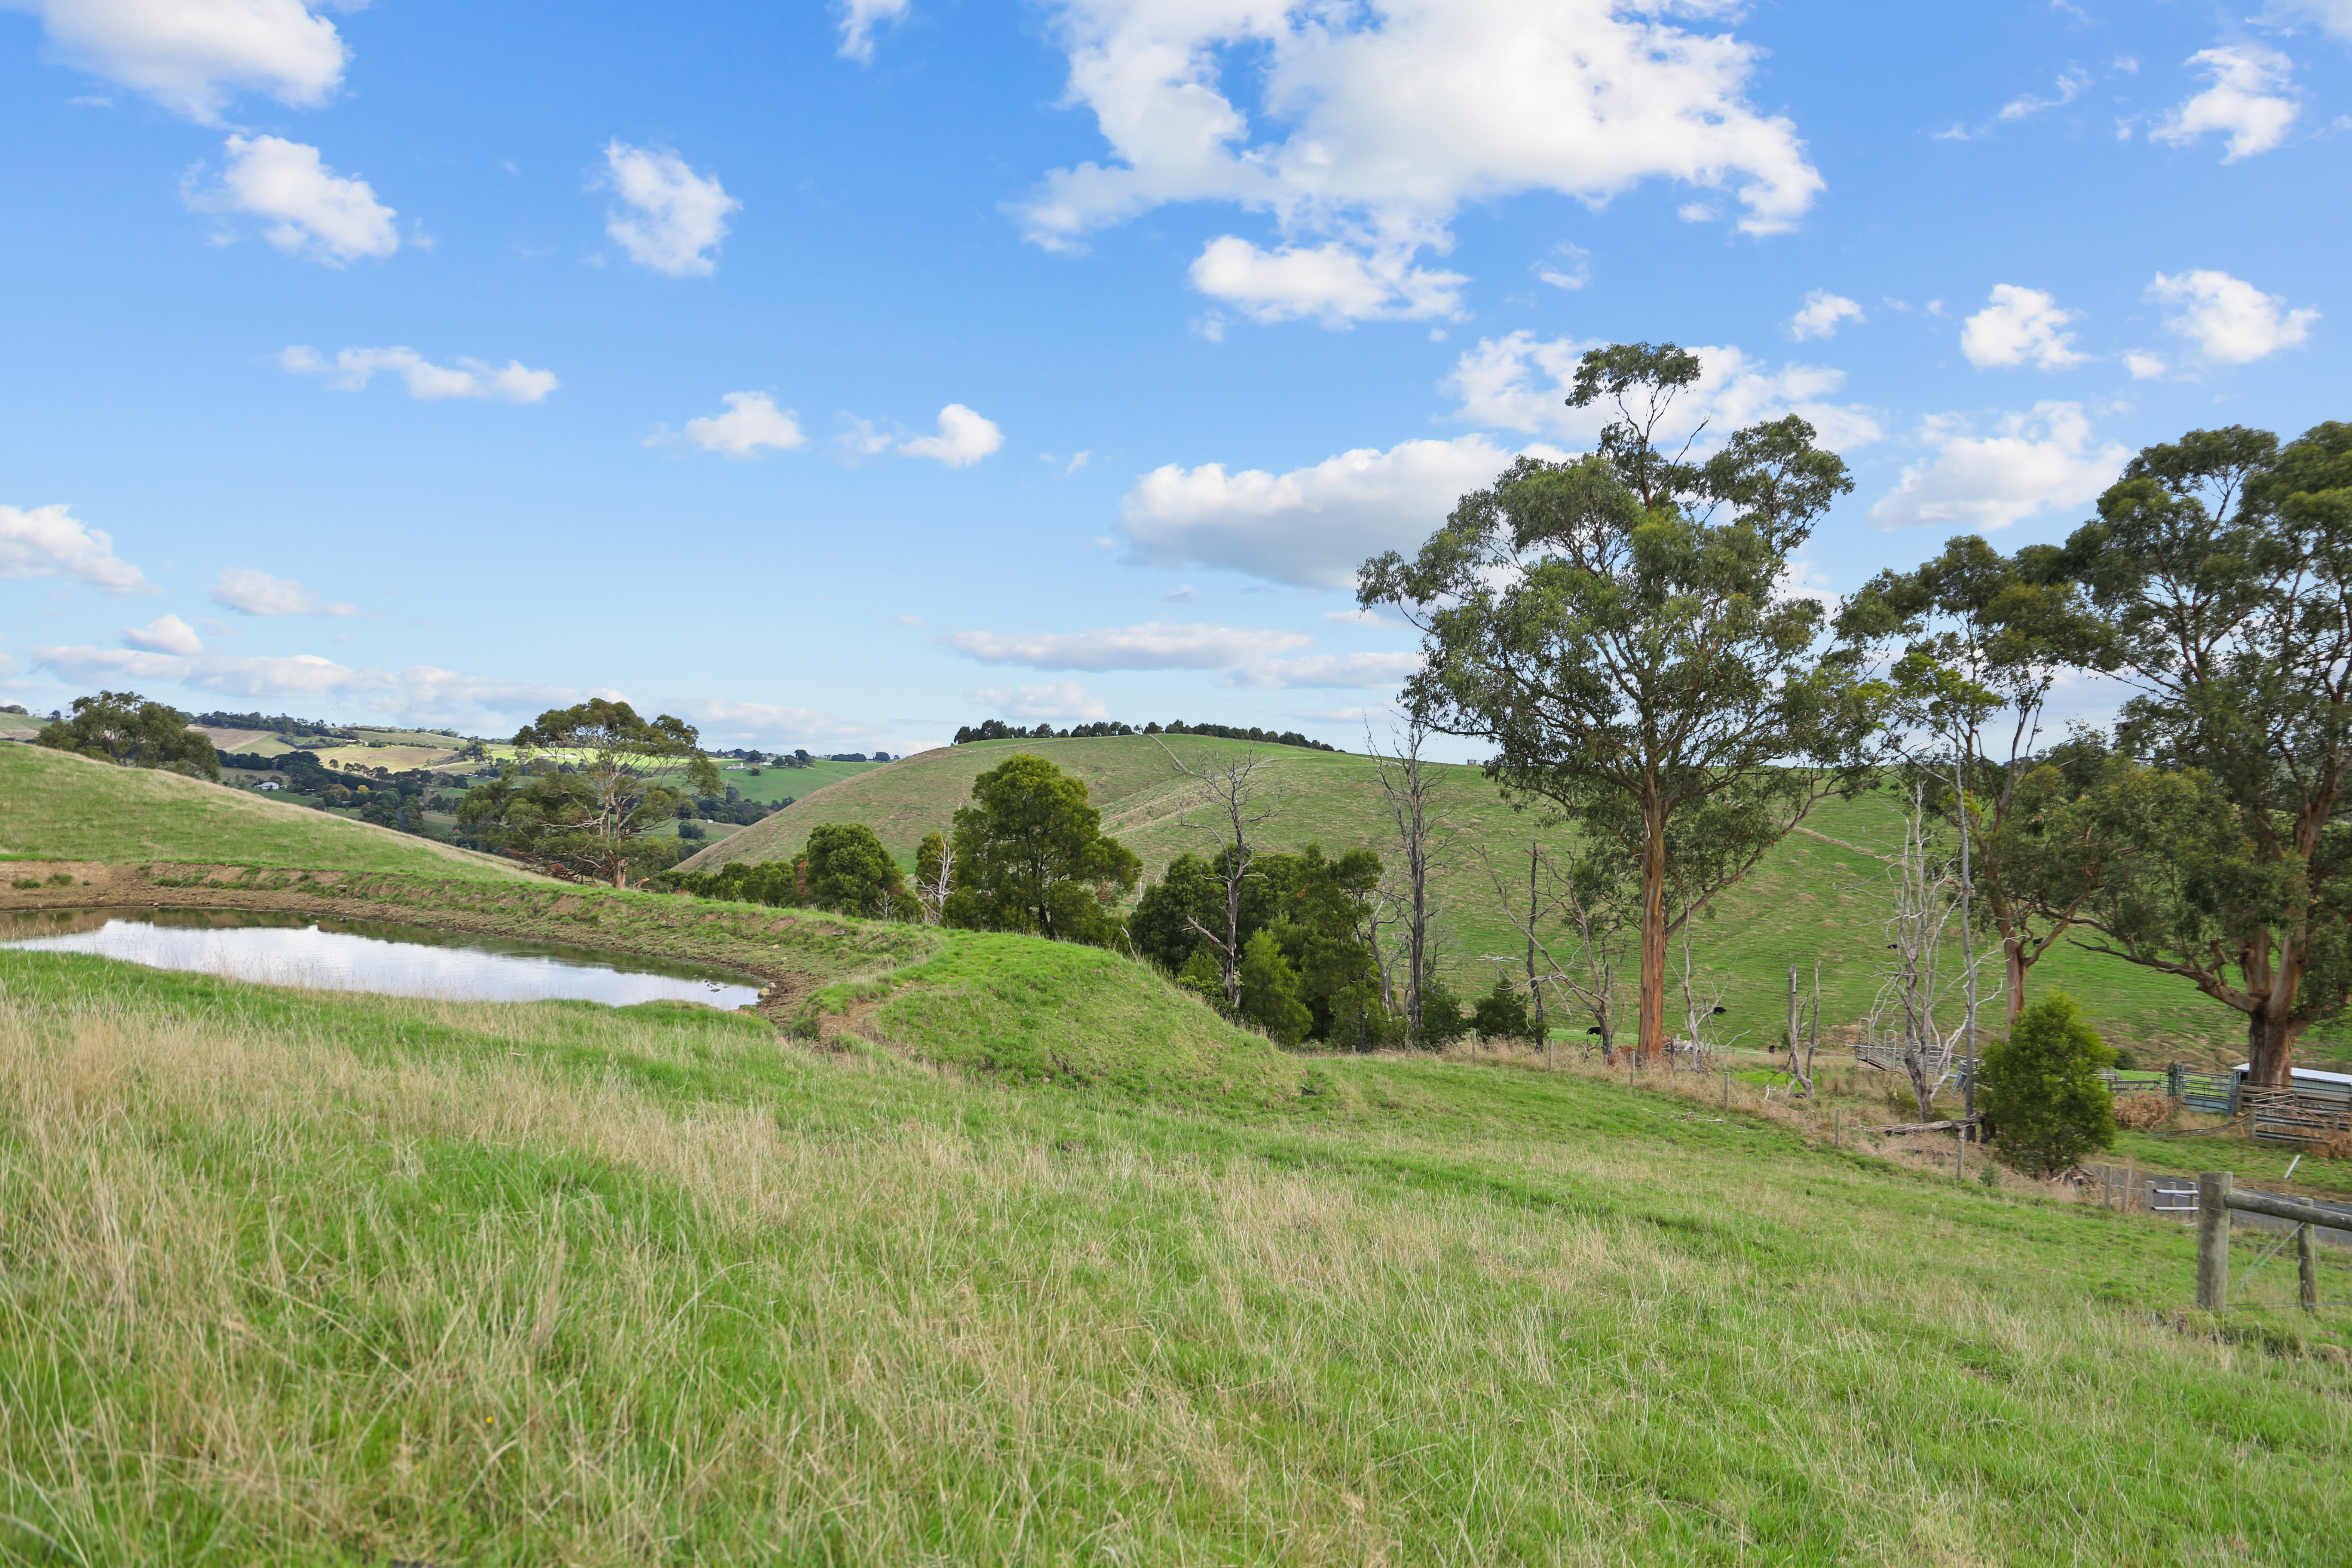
(505, 1284)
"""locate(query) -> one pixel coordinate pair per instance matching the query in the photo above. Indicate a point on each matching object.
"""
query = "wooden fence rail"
(2217, 1196)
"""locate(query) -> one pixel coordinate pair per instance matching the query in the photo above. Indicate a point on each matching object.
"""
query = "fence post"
(2307, 1266)
(2173, 1086)
(2213, 1239)
(1726, 1088)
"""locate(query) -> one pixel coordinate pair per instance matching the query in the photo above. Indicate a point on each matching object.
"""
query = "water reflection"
(368, 955)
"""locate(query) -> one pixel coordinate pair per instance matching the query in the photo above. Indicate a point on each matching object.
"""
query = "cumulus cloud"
(2247, 99)
(309, 210)
(1520, 383)
(2020, 326)
(1311, 526)
(2230, 319)
(964, 439)
(1570, 266)
(2042, 458)
(669, 217)
(1375, 671)
(1820, 313)
(1331, 282)
(420, 692)
(1393, 115)
(1062, 699)
(2145, 366)
(165, 634)
(858, 20)
(252, 593)
(752, 423)
(353, 369)
(193, 56)
(50, 541)
(1153, 645)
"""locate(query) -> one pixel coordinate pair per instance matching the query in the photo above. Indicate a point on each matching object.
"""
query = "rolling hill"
(1815, 897)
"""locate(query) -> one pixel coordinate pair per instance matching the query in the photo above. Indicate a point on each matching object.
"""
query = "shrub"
(2143, 1111)
(1442, 1019)
(2040, 1087)
(1270, 991)
(1502, 1013)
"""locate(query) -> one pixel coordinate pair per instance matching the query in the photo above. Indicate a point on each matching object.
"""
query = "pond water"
(368, 955)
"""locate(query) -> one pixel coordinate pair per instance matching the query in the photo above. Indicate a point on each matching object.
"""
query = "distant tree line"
(277, 723)
(998, 729)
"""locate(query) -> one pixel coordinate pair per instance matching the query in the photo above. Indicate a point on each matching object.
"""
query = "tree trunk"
(1233, 953)
(1650, 1042)
(2270, 1049)
(2013, 967)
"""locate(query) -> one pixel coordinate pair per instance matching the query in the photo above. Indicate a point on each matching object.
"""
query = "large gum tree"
(1617, 627)
(2222, 566)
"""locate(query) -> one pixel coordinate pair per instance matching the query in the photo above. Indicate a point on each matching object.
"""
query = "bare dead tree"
(1702, 1004)
(1408, 787)
(1915, 999)
(1230, 796)
(1581, 897)
(936, 880)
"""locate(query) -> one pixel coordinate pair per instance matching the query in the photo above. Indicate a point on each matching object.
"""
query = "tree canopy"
(127, 729)
(1616, 626)
(1030, 856)
(589, 817)
(2220, 566)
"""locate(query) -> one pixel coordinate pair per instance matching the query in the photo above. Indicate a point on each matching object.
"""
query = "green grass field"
(293, 1278)
(1812, 898)
(55, 805)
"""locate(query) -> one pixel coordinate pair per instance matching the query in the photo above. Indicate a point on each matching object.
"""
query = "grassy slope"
(64, 807)
(1812, 897)
(331, 1281)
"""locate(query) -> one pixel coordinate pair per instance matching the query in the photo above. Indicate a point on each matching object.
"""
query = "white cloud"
(765, 720)
(354, 368)
(1154, 645)
(421, 693)
(311, 211)
(165, 634)
(2043, 459)
(1820, 313)
(964, 439)
(862, 439)
(2230, 319)
(2247, 100)
(1521, 382)
(2145, 366)
(191, 56)
(1378, 671)
(1396, 113)
(2071, 83)
(670, 215)
(1331, 282)
(2329, 15)
(751, 424)
(48, 542)
(1312, 526)
(1064, 700)
(252, 593)
(858, 20)
(1571, 267)
(2018, 325)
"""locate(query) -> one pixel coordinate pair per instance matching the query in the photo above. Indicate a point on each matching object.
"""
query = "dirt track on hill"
(98, 886)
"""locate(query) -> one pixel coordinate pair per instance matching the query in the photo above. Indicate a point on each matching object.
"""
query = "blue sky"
(832, 375)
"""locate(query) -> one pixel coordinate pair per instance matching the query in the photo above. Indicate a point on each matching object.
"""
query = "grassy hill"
(1814, 896)
(57, 806)
(303, 1277)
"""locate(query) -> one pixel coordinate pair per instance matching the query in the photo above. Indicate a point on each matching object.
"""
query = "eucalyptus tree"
(620, 777)
(127, 729)
(1976, 641)
(2221, 565)
(1617, 628)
